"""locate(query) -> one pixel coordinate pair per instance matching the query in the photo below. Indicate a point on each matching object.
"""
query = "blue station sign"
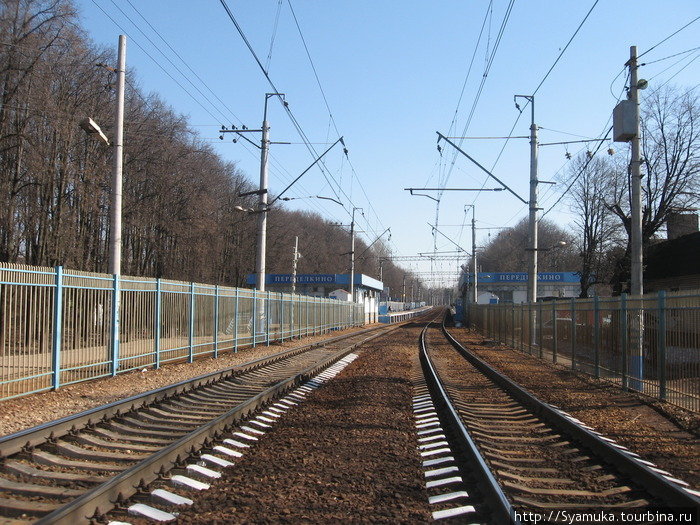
(521, 277)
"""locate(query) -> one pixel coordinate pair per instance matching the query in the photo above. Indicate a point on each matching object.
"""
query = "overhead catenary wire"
(539, 85)
(287, 109)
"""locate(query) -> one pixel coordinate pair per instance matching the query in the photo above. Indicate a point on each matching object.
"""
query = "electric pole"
(262, 202)
(115, 242)
(532, 223)
(636, 278)
(636, 255)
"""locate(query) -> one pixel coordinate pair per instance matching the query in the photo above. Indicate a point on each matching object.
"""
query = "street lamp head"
(90, 127)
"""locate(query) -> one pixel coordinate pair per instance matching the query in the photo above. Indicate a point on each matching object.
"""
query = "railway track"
(522, 455)
(76, 469)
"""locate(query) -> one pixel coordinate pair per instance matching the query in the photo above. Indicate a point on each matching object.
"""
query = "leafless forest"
(178, 200)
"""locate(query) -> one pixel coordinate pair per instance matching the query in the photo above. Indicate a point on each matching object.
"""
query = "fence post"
(539, 314)
(522, 326)
(156, 339)
(573, 334)
(623, 338)
(596, 335)
(268, 310)
(280, 314)
(292, 303)
(512, 325)
(116, 316)
(57, 328)
(255, 315)
(555, 338)
(235, 322)
(661, 329)
(190, 358)
(216, 321)
(530, 326)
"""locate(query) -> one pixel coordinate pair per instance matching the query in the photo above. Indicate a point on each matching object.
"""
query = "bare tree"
(670, 143)
(596, 230)
(508, 251)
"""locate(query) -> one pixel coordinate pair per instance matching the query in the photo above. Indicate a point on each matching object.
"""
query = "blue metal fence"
(59, 326)
(649, 344)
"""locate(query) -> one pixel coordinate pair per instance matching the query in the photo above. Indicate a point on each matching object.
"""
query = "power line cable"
(565, 47)
(274, 34)
(286, 108)
(668, 37)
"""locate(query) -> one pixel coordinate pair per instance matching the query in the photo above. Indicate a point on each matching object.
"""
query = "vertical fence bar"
(512, 325)
(522, 326)
(235, 322)
(190, 358)
(268, 310)
(555, 338)
(156, 328)
(57, 328)
(661, 332)
(573, 334)
(255, 315)
(541, 326)
(216, 321)
(116, 315)
(623, 338)
(596, 336)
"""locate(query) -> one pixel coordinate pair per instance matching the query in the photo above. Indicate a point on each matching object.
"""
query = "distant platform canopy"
(337, 280)
(511, 287)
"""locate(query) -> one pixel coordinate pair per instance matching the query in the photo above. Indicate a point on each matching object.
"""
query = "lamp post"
(92, 128)
(115, 233)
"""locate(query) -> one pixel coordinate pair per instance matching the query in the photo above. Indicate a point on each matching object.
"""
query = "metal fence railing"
(59, 326)
(650, 344)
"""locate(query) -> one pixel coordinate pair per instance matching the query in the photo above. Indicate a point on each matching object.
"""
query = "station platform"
(398, 317)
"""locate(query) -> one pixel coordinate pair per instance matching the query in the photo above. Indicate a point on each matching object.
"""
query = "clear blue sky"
(392, 73)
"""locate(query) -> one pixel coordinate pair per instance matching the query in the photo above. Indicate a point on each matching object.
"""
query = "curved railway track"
(528, 456)
(78, 468)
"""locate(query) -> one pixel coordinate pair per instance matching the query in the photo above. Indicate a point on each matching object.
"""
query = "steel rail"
(501, 509)
(658, 485)
(40, 434)
(95, 502)
(101, 499)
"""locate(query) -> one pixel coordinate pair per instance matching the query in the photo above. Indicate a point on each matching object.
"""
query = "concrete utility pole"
(262, 202)
(636, 254)
(115, 239)
(403, 292)
(532, 223)
(637, 286)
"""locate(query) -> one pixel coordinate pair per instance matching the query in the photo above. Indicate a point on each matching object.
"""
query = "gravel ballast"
(347, 453)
